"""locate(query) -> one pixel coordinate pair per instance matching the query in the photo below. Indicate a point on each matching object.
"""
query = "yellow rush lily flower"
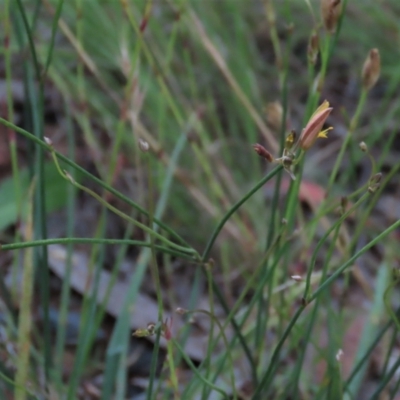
(312, 131)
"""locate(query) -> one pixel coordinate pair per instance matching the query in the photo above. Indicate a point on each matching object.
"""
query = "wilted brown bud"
(274, 114)
(371, 69)
(263, 152)
(181, 311)
(330, 12)
(313, 48)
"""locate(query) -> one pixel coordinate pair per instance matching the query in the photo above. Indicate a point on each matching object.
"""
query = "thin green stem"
(206, 254)
(81, 170)
(348, 138)
(92, 241)
(234, 208)
(119, 212)
(52, 39)
(325, 237)
(324, 285)
(197, 373)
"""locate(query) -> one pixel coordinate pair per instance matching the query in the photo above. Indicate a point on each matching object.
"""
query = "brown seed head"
(313, 48)
(371, 69)
(330, 12)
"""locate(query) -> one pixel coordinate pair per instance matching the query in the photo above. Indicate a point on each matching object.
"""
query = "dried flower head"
(330, 12)
(313, 131)
(371, 69)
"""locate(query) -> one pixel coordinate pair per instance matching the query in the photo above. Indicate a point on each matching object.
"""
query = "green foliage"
(194, 82)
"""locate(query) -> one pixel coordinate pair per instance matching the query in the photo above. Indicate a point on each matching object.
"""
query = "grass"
(211, 228)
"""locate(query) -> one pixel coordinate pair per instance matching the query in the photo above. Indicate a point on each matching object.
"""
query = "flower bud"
(263, 152)
(371, 69)
(330, 12)
(312, 131)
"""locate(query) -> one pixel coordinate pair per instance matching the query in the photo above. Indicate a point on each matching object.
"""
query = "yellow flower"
(312, 131)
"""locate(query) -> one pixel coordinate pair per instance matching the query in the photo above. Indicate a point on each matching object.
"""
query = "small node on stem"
(339, 355)
(151, 327)
(374, 183)
(144, 145)
(48, 141)
(343, 204)
(69, 176)
(363, 147)
(297, 278)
